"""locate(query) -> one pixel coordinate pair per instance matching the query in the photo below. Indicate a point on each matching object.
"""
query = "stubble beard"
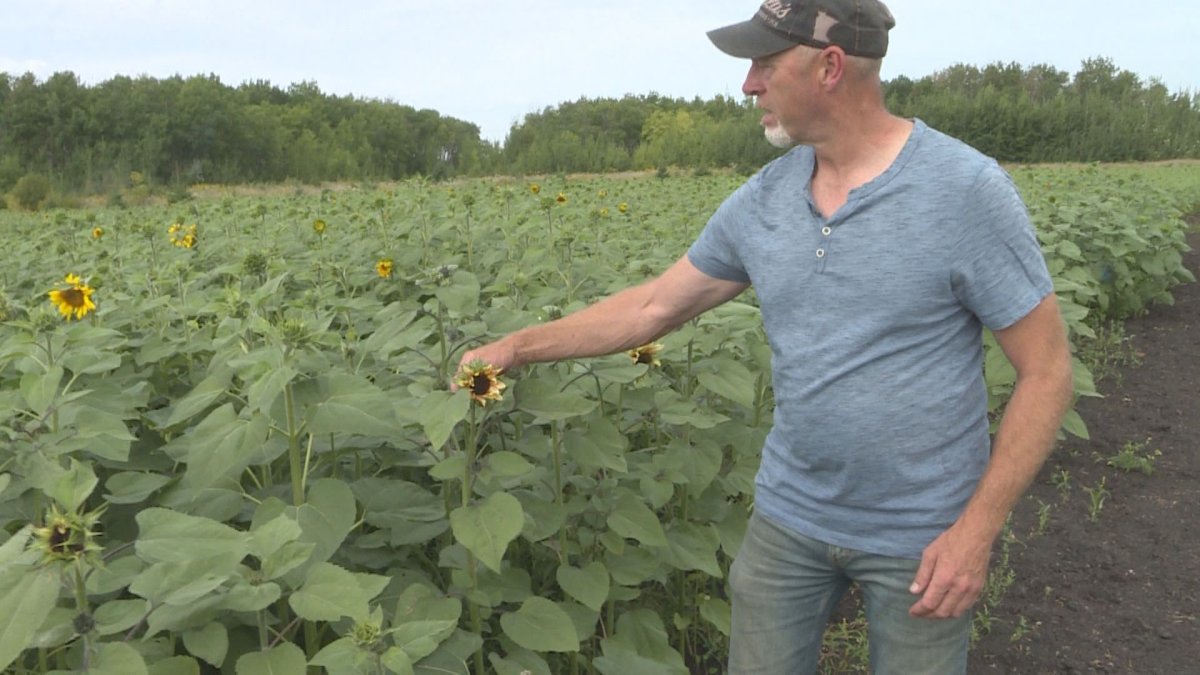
(777, 136)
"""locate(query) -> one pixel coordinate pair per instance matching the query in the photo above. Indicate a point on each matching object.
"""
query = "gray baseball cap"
(859, 27)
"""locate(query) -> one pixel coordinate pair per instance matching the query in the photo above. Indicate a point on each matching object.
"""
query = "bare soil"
(1115, 589)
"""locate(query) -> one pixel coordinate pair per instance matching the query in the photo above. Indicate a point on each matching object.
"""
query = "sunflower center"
(646, 358)
(60, 537)
(481, 384)
(73, 297)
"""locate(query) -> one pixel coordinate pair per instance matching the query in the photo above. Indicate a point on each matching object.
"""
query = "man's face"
(781, 85)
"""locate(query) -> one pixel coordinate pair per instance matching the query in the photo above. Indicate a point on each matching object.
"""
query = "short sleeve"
(715, 251)
(998, 272)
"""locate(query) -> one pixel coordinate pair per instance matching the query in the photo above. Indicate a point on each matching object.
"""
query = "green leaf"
(397, 661)
(716, 611)
(169, 536)
(180, 583)
(327, 517)
(343, 657)
(328, 594)
(210, 643)
(588, 585)
(506, 464)
(541, 626)
(354, 406)
(221, 447)
(451, 468)
(1075, 425)
(272, 535)
(461, 295)
(26, 598)
(419, 639)
(727, 377)
(265, 390)
(245, 597)
(694, 547)
(486, 528)
(175, 665)
(118, 658)
(282, 659)
(201, 397)
(440, 412)
(132, 487)
(116, 616)
(74, 486)
(40, 389)
(631, 518)
(547, 403)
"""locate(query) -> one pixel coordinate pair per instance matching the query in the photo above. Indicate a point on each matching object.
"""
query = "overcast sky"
(490, 62)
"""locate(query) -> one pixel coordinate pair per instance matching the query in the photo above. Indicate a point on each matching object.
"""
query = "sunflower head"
(183, 236)
(481, 380)
(647, 354)
(384, 268)
(535, 188)
(97, 232)
(74, 302)
(67, 536)
(623, 207)
(561, 198)
(319, 226)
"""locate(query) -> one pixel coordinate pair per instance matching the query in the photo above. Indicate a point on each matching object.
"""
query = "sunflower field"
(229, 441)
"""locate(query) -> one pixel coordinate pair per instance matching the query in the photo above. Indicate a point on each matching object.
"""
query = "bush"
(31, 191)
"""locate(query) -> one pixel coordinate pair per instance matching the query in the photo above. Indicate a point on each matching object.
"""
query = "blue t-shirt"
(874, 318)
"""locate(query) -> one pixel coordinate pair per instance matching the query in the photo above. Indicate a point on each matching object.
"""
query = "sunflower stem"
(295, 458)
(467, 487)
(556, 447)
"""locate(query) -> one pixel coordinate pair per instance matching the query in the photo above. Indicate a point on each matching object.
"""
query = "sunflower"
(384, 268)
(647, 354)
(623, 207)
(97, 232)
(319, 226)
(561, 198)
(535, 188)
(67, 536)
(181, 236)
(481, 380)
(76, 301)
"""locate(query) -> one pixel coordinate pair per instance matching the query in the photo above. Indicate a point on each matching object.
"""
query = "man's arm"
(624, 320)
(954, 567)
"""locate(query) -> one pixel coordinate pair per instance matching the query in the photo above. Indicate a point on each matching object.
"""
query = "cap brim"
(748, 40)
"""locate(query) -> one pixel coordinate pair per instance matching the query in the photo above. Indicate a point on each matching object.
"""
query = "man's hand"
(952, 574)
(500, 354)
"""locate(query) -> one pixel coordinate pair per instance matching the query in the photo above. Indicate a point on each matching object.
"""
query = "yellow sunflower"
(76, 301)
(623, 207)
(67, 536)
(561, 198)
(183, 236)
(481, 380)
(384, 268)
(97, 232)
(535, 188)
(647, 354)
(319, 226)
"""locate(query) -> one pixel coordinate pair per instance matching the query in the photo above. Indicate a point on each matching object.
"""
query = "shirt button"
(820, 253)
(826, 230)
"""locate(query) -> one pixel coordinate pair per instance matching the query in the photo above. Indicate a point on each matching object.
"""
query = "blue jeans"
(784, 586)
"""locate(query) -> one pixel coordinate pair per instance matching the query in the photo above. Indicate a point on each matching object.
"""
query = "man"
(878, 248)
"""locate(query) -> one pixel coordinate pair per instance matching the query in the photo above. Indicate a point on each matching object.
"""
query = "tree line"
(180, 131)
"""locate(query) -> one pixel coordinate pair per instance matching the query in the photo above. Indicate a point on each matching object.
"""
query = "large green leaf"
(330, 593)
(631, 518)
(26, 597)
(541, 626)
(486, 528)
(203, 395)
(548, 403)
(221, 447)
(282, 659)
(353, 406)
(727, 377)
(170, 536)
(117, 658)
(440, 411)
(40, 389)
(182, 582)
(588, 585)
(210, 642)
